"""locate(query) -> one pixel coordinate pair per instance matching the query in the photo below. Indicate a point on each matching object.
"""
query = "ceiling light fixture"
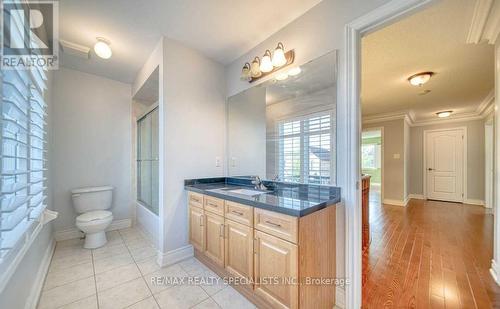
(270, 63)
(294, 71)
(266, 65)
(420, 78)
(102, 48)
(444, 114)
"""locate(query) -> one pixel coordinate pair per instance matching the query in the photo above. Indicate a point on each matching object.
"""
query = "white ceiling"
(223, 30)
(431, 40)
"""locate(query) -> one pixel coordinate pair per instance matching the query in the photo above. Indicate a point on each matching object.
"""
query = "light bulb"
(102, 48)
(246, 75)
(255, 68)
(266, 64)
(294, 71)
(279, 58)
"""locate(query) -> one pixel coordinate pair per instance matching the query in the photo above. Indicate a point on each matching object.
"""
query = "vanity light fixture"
(246, 74)
(279, 58)
(102, 48)
(420, 78)
(270, 63)
(444, 114)
(266, 65)
(255, 68)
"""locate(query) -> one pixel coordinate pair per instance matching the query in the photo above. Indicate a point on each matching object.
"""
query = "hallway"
(429, 254)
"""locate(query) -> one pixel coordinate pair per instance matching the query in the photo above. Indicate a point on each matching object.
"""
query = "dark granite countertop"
(288, 198)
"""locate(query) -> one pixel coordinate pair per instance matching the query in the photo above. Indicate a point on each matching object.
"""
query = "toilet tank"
(92, 198)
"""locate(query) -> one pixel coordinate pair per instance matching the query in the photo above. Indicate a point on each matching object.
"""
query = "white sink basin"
(247, 192)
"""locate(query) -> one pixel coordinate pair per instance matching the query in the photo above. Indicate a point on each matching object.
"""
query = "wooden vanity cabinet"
(197, 227)
(276, 258)
(214, 241)
(239, 249)
(239, 240)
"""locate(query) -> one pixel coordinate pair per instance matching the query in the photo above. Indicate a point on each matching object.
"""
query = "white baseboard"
(395, 202)
(36, 290)
(174, 256)
(474, 202)
(76, 233)
(340, 297)
(417, 196)
(495, 272)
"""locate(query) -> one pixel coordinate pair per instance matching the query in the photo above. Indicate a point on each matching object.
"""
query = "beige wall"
(393, 168)
(475, 157)
(404, 176)
(93, 141)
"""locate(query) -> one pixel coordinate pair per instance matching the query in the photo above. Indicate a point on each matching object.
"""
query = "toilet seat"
(95, 215)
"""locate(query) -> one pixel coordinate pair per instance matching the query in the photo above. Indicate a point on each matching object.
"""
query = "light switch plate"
(396, 156)
(217, 161)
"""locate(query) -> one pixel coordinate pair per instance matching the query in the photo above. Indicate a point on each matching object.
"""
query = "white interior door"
(445, 165)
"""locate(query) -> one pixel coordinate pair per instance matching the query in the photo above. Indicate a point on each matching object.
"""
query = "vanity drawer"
(239, 213)
(195, 199)
(276, 224)
(214, 205)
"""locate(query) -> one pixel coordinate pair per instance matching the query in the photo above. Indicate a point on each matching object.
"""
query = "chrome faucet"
(258, 185)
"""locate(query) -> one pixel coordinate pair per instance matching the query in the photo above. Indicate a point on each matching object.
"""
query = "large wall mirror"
(285, 129)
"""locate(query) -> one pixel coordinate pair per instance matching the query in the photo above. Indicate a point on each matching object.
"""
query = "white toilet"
(92, 203)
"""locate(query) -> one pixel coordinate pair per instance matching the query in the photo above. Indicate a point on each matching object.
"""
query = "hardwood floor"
(429, 255)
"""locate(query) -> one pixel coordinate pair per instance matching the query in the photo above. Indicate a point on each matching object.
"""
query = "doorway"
(488, 163)
(372, 161)
(445, 164)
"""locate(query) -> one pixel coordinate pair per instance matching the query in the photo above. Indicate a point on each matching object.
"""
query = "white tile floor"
(120, 275)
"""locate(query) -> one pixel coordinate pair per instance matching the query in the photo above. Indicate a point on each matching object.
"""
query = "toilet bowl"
(92, 204)
(94, 224)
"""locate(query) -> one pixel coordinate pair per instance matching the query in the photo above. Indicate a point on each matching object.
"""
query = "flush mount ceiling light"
(270, 63)
(444, 114)
(420, 78)
(102, 48)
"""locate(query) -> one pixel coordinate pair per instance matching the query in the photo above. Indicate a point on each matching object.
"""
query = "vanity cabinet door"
(197, 228)
(239, 249)
(214, 246)
(275, 263)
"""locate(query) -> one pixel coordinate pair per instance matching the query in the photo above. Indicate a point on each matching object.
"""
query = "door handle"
(221, 230)
(430, 169)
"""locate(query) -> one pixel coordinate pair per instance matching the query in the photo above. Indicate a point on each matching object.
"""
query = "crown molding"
(479, 19)
(485, 24)
(482, 111)
(385, 117)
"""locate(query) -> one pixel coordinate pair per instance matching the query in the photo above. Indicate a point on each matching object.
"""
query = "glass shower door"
(147, 160)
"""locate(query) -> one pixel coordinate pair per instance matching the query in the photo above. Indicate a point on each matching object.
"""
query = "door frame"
(489, 159)
(464, 163)
(349, 130)
(381, 129)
